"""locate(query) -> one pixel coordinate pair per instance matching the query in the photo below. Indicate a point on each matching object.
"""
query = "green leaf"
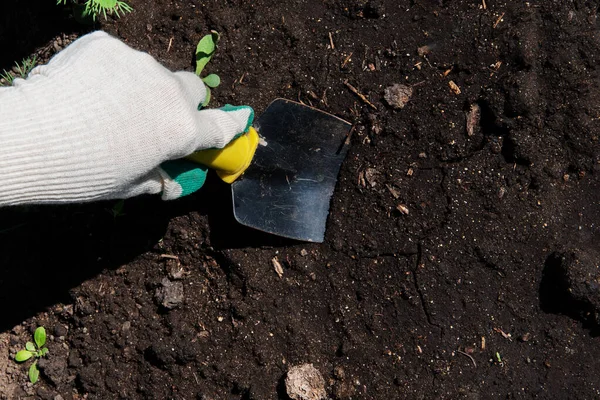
(117, 210)
(30, 346)
(40, 337)
(205, 50)
(34, 373)
(212, 80)
(23, 355)
(207, 100)
(44, 351)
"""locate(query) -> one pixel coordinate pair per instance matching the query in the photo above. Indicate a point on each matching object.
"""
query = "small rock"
(454, 87)
(397, 95)
(305, 382)
(60, 330)
(170, 294)
(303, 252)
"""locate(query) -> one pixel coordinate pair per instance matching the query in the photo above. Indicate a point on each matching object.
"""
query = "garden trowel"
(290, 161)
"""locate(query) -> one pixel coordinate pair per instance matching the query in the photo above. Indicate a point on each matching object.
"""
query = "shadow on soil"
(49, 250)
(25, 26)
(558, 295)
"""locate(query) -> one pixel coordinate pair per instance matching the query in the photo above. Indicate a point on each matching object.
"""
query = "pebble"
(60, 330)
(397, 95)
(305, 382)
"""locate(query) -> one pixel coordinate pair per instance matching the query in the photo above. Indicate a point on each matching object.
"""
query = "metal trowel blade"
(287, 189)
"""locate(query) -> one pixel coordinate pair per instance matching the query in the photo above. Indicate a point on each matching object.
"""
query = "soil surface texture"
(462, 252)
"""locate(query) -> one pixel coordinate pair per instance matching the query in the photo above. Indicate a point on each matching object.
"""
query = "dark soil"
(484, 283)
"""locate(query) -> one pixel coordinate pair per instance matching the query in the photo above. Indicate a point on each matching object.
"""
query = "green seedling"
(499, 359)
(118, 209)
(21, 70)
(204, 52)
(94, 8)
(35, 351)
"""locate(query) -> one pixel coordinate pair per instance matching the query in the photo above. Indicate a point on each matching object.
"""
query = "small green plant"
(499, 359)
(36, 351)
(117, 209)
(94, 8)
(21, 70)
(204, 52)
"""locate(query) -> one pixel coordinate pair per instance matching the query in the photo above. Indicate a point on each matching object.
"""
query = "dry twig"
(360, 95)
(277, 267)
(499, 20)
(468, 355)
(346, 60)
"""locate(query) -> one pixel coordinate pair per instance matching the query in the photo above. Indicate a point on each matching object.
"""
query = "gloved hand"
(96, 122)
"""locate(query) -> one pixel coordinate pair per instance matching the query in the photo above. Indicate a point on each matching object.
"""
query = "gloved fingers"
(150, 183)
(72, 51)
(181, 178)
(192, 88)
(220, 126)
(95, 40)
(173, 179)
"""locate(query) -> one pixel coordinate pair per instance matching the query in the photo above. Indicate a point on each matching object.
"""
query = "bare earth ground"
(455, 265)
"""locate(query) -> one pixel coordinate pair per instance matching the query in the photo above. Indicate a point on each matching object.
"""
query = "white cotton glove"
(97, 121)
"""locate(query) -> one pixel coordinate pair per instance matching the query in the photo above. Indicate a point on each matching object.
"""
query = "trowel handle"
(231, 161)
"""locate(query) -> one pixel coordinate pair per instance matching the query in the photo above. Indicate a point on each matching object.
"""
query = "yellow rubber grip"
(231, 161)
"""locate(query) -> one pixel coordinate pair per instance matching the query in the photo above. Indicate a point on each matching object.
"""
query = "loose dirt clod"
(305, 382)
(170, 294)
(397, 95)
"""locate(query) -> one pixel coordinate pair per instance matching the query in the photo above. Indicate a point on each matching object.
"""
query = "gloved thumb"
(216, 127)
(220, 126)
